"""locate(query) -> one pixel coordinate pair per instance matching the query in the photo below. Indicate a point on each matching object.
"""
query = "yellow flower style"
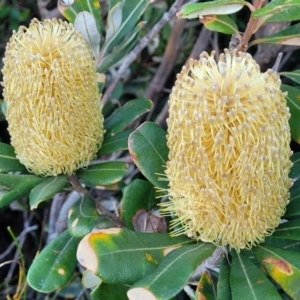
(53, 103)
(228, 136)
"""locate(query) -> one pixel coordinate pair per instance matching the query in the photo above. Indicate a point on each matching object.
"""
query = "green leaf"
(282, 265)
(115, 143)
(294, 75)
(248, 282)
(83, 216)
(85, 23)
(293, 208)
(131, 12)
(221, 23)
(287, 15)
(8, 160)
(288, 36)
(217, 7)
(14, 187)
(106, 173)
(109, 292)
(91, 6)
(55, 265)
(293, 102)
(178, 266)
(138, 195)
(206, 287)
(223, 286)
(289, 230)
(148, 149)
(114, 20)
(295, 170)
(278, 8)
(125, 115)
(47, 189)
(123, 256)
(121, 50)
(282, 243)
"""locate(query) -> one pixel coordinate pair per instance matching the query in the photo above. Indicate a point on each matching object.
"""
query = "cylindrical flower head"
(53, 104)
(228, 136)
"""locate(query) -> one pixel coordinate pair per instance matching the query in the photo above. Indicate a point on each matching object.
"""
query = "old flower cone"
(52, 98)
(228, 136)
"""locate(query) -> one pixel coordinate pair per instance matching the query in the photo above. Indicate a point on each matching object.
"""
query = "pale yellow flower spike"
(53, 103)
(228, 136)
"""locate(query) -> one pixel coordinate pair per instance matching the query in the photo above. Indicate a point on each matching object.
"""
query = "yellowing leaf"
(283, 266)
(110, 253)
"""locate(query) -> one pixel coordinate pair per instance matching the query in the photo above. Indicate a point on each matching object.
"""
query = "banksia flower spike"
(228, 136)
(53, 103)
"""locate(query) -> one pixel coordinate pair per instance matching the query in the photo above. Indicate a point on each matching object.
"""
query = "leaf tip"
(140, 293)
(86, 254)
(169, 249)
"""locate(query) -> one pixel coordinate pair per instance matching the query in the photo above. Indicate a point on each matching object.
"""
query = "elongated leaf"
(83, 216)
(114, 20)
(131, 12)
(140, 194)
(283, 266)
(115, 143)
(182, 262)
(217, 7)
(14, 187)
(55, 265)
(248, 282)
(85, 23)
(148, 148)
(110, 292)
(223, 286)
(206, 287)
(294, 75)
(90, 6)
(293, 208)
(289, 230)
(125, 115)
(123, 256)
(106, 173)
(295, 170)
(221, 23)
(294, 105)
(121, 50)
(288, 36)
(276, 8)
(47, 190)
(8, 160)
(282, 243)
(288, 15)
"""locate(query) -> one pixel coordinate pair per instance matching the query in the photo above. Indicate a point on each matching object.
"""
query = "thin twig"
(100, 208)
(252, 26)
(169, 58)
(60, 220)
(131, 57)
(56, 205)
(200, 45)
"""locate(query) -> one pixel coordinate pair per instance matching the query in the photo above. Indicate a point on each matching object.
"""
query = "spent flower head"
(51, 93)
(228, 136)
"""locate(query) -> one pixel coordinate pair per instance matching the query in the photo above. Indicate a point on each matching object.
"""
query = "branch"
(100, 208)
(168, 16)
